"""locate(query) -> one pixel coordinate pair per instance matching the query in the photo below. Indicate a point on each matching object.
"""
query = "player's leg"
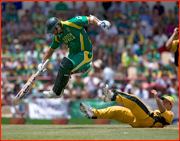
(118, 113)
(75, 63)
(130, 101)
(81, 61)
(62, 79)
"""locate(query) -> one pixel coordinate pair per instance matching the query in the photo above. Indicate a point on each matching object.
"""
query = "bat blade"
(23, 92)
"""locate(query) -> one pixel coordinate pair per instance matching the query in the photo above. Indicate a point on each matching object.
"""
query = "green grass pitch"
(87, 132)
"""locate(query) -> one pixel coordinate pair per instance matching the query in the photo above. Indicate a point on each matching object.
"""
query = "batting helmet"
(51, 24)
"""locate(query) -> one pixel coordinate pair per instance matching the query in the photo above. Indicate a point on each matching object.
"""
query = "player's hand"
(40, 67)
(155, 94)
(176, 31)
(104, 24)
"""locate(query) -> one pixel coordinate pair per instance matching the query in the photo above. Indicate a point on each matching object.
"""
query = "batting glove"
(104, 24)
(41, 68)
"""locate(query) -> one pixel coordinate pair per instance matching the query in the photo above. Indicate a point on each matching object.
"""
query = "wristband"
(91, 18)
(99, 23)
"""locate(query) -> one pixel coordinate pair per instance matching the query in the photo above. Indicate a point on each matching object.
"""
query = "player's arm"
(54, 45)
(96, 21)
(170, 40)
(82, 20)
(93, 19)
(48, 54)
(159, 103)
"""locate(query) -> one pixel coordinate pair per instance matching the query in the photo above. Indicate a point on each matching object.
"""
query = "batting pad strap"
(64, 73)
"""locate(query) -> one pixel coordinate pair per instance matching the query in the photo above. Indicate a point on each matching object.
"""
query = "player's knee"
(66, 64)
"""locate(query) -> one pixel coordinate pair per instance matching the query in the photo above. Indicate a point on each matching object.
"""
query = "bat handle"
(45, 63)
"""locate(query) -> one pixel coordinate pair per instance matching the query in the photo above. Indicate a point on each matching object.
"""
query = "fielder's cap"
(168, 99)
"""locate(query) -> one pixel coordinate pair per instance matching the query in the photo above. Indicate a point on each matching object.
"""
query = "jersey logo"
(79, 17)
(67, 38)
(68, 29)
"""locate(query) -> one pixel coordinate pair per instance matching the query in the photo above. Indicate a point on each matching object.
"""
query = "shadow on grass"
(69, 127)
(88, 128)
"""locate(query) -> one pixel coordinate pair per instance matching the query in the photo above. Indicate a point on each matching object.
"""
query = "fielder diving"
(134, 112)
(73, 34)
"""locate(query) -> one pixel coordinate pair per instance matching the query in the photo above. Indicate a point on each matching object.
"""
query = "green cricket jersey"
(73, 35)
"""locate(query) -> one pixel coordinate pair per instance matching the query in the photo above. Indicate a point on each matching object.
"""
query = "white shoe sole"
(105, 92)
(48, 95)
(58, 96)
(82, 108)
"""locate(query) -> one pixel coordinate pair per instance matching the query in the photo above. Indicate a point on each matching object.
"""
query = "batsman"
(73, 34)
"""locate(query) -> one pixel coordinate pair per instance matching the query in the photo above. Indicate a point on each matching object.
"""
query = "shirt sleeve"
(79, 20)
(168, 115)
(55, 43)
(174, 45)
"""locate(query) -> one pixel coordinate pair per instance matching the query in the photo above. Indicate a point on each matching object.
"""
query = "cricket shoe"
(107, 94)
(51, 94)
(87, 110)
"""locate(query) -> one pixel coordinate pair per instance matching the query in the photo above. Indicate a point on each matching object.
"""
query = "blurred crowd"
(130, 56)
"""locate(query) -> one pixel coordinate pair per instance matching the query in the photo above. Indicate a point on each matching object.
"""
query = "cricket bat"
(29, 84)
